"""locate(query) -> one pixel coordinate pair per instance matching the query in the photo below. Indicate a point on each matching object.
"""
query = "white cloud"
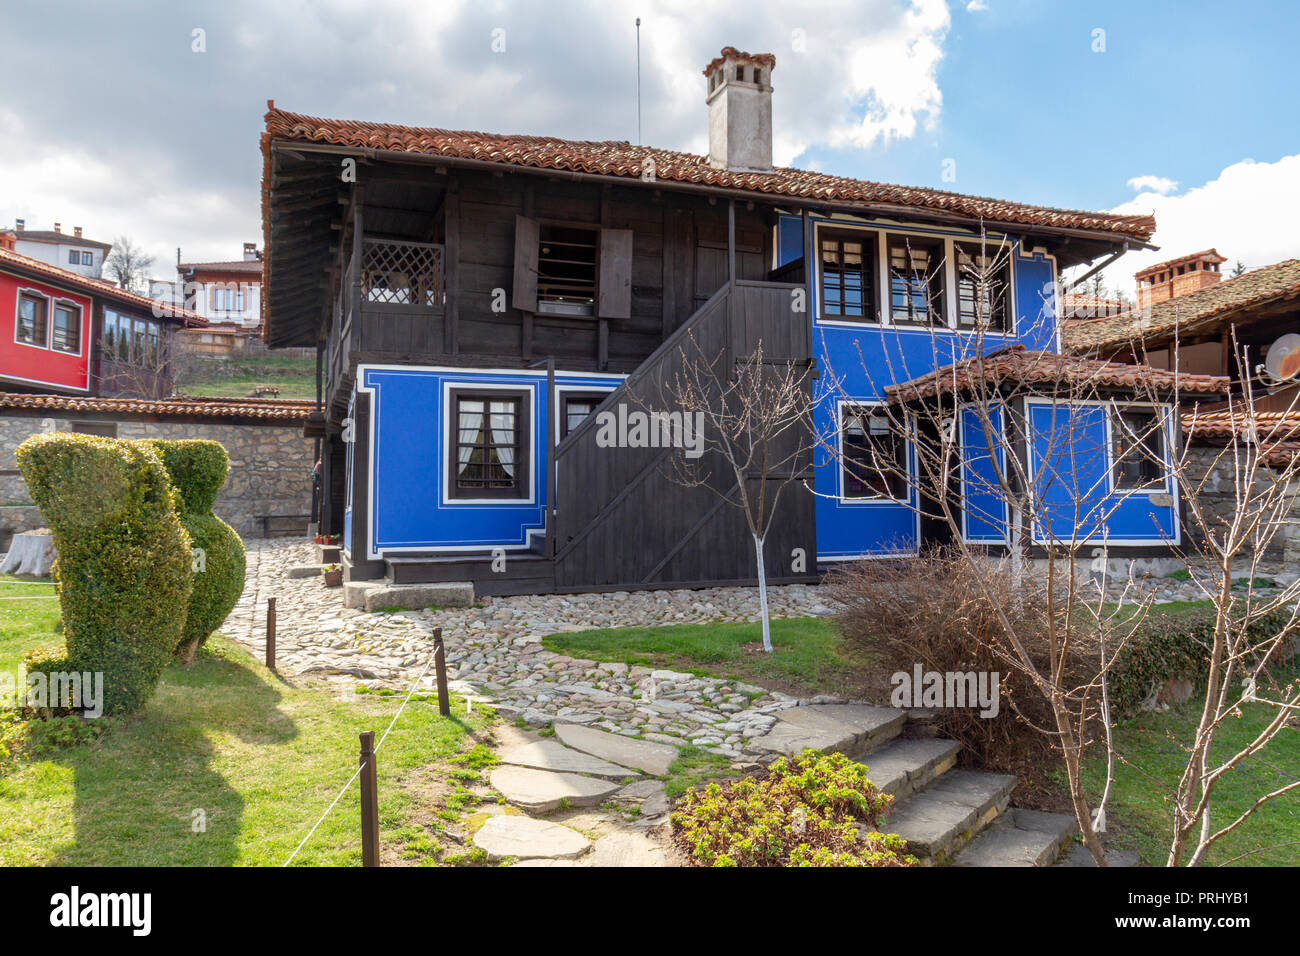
(1154, 184)
(1248, 212)
(977, 6)
(186, 174)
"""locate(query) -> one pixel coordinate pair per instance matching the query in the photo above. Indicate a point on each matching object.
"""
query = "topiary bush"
(123, 566)
(198, 470)
(808, 811)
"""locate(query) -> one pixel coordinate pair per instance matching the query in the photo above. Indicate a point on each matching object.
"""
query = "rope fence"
(366, 765)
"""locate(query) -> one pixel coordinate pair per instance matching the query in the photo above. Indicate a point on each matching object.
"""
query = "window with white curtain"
(490, 447)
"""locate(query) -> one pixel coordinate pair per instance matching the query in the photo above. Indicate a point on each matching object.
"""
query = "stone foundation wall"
(1217, 497)
(270, 465)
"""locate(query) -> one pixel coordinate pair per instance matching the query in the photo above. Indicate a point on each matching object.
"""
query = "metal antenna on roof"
(638, 81)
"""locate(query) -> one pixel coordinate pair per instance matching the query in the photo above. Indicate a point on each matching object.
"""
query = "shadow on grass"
(148, 793)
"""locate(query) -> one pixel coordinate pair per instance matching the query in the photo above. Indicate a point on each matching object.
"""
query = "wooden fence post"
(270, 633)
(440, 668)
(369, 802)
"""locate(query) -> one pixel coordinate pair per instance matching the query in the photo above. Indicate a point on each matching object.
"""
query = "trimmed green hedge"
(123, 565)
(1172, 645)
(198, 470)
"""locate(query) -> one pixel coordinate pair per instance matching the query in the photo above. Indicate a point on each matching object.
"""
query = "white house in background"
(225, 293)
(71, 251)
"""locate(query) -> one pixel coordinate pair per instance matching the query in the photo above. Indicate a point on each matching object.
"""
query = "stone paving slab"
(653, 758)
(549, 755)
(525, 838)
(905, 765)
(627, 849)
(542, 791)
(846, 728)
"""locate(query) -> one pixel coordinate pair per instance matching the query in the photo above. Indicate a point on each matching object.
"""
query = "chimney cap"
(1207, 255)
(76, 231)
(58, 227)
(740, 56)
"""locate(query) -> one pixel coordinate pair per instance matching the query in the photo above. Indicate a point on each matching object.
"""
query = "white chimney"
(740, 110)
(58, 227)
(250, 252)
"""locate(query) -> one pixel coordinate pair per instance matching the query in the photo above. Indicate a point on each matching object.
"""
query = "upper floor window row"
(78, 258)
(927, 282)
(45, 325)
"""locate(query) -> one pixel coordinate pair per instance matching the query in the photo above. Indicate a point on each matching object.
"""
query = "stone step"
(551, 755)
(906, 765)
(374, 595)
(1019, 837)
(949, 813)
(845, 728)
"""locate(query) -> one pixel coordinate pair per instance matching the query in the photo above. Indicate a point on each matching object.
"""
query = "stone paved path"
(617, 729)
(495, 650)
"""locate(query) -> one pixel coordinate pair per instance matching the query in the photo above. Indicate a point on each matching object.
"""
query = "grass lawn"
(261, 760)
(1153, 744)
(236, 377)
(806, 660)
(28, 612)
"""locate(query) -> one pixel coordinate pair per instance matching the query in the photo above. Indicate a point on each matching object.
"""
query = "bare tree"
(1035, 477)
(755, 417)
(128, 264)
(1252, 628)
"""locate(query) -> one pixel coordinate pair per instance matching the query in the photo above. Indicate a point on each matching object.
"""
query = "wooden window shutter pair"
(614, 264)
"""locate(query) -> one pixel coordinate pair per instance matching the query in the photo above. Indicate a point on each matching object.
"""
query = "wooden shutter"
(526, 238)
(615, 283)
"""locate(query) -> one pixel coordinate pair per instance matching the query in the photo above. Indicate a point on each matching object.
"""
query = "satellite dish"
(1282, 360)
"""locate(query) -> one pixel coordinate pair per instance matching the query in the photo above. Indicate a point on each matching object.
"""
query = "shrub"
(932, 610)
(1171, 644)
(940, 611)
(808, 811)
(198, 470)
(123, 565)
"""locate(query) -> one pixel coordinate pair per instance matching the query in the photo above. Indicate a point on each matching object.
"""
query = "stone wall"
(270, 465)
(1217, 496)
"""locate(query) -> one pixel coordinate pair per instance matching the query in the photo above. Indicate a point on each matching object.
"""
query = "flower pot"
(333, 579)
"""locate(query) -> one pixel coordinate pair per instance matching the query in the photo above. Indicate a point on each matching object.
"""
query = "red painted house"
(64, 332)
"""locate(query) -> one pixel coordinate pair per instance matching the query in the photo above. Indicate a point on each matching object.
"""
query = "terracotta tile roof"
(617, 158)
(265, 409)
(1074, 304)
(764, 59)
(97, 287)
(1277, 432)
(1184, 314)
(1048, 371)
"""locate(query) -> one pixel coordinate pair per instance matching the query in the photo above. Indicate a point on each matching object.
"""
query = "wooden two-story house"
(474, 297)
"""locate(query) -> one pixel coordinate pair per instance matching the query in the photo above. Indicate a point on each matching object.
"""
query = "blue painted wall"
(1073, 472)
(408, 508)
(858, 361)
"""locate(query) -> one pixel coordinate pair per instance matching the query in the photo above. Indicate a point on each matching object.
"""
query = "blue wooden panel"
(1073, 473)
(984, 506)
(857, 362)
(409, 507)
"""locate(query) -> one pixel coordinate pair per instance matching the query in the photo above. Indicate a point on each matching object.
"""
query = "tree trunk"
(762, 594)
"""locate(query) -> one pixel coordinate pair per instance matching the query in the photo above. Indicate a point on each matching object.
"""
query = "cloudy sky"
(142, 118)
